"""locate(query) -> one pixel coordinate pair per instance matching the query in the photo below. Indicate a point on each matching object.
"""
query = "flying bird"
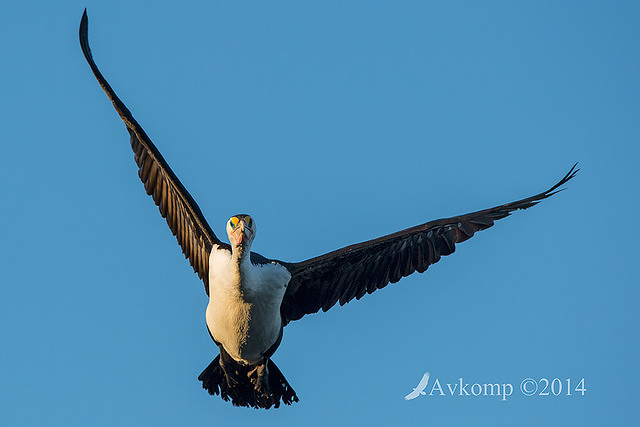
(251, 297)
(419, 390)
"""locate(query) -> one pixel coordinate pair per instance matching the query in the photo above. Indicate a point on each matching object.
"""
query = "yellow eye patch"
(234, 222)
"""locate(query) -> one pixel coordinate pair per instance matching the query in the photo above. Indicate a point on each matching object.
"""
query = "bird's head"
(241, 230)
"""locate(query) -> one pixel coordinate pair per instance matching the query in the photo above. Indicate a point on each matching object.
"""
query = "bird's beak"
(240, 233)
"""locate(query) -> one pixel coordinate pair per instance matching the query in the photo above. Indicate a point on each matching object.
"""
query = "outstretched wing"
(423, 382)
(176, 205)
(350, 272)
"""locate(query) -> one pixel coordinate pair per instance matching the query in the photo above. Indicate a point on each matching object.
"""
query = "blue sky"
(330, 123)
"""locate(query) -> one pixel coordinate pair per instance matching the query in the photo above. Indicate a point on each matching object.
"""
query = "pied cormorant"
(251, 298)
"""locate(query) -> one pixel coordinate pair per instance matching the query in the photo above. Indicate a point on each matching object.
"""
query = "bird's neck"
(241, 266)
(240, 256)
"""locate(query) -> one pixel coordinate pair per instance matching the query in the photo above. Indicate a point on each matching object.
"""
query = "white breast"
(244, 305)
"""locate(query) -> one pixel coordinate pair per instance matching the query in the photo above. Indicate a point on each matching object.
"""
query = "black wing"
(176, 204)
(352, 271)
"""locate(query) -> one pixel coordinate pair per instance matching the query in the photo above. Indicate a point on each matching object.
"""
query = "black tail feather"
(252, 386)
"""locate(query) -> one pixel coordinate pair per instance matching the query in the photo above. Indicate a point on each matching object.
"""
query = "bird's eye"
(234, 222)
(249, 222)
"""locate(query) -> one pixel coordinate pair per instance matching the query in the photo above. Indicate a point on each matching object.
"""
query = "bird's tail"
(258, 386)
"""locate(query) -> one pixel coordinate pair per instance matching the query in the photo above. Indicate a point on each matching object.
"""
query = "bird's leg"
(228, 367)
(259, 377)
